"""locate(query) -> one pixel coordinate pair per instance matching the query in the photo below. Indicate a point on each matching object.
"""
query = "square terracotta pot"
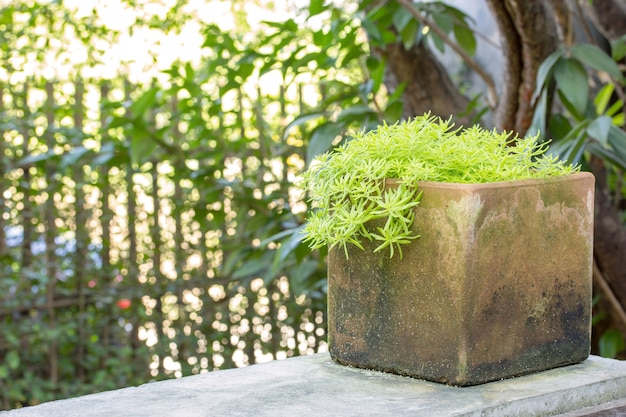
(498, 285)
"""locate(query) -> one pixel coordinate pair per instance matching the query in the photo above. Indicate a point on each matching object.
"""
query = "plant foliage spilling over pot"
(498, 284)
(347, 189)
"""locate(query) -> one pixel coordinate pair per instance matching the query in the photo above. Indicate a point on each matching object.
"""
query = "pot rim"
(577, 176)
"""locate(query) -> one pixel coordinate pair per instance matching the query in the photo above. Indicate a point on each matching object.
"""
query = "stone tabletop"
(317, 386)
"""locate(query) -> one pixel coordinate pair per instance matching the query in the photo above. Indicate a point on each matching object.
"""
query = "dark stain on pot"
(532, 321)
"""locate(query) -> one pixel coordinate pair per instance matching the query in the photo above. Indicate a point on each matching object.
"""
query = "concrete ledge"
(316, 386)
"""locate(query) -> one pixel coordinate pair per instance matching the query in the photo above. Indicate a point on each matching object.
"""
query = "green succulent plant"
(347, 186)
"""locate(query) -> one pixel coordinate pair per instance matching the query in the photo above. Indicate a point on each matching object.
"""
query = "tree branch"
(428, 86)
(506, 113)
(492, 96)
(609, 295)
(529, 34)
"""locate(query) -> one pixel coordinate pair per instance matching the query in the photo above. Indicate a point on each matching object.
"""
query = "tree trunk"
(429, 87)
(528, 34)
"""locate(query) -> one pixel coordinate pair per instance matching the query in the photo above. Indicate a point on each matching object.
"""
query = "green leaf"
(6, 17)
(607, 155)
(465, 37)
(615, 111)
(475, 109)
(287, 247)
(573, 154)
(444, 21)
(617, 140)
(397, 93)
(302, 119)
(382, 11)
(571, 79)
(189, 72)
(618, 48)
(599, 129)
(233, 261)
(316, 7)
(71, 158)
(570, 107)
(244, 70)
(538, 123)
(143, 103)
(601, 99)
(33, 159)
(559, 126)
(401, 18)
(284, 251)
(378, 74)
(437, 41)
(277, 25)
(611, 343)
(291, 26)
(389, 37)
(12, 359)
(545, 69)
(355, 52)
(372, 31)
(356, 113)
(212, 36)
(393, 111)
(596, 58)
(141, 148)
(409, 34)
(570, 148)
(457, 14)
(372, 63)
(117, 121)
(322, 139)
(275, 237)
(322, 38)
(250, 269)
(299, 278)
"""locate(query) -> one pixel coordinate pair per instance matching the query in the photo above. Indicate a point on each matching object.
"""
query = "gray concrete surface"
(316, 386)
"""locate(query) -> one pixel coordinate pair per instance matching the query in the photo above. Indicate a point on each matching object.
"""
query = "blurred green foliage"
(151, 229)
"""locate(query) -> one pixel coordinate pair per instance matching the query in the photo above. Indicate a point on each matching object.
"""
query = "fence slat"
(81, 232)
(50, 216)
(27, 211)
(3, 181)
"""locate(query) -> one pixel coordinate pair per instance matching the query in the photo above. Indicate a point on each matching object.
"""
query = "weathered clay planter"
(498, 285)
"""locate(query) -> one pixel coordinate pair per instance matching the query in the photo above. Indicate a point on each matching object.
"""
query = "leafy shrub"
(347, 185)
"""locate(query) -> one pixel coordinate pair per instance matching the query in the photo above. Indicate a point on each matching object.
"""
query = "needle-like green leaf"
(349, 189)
